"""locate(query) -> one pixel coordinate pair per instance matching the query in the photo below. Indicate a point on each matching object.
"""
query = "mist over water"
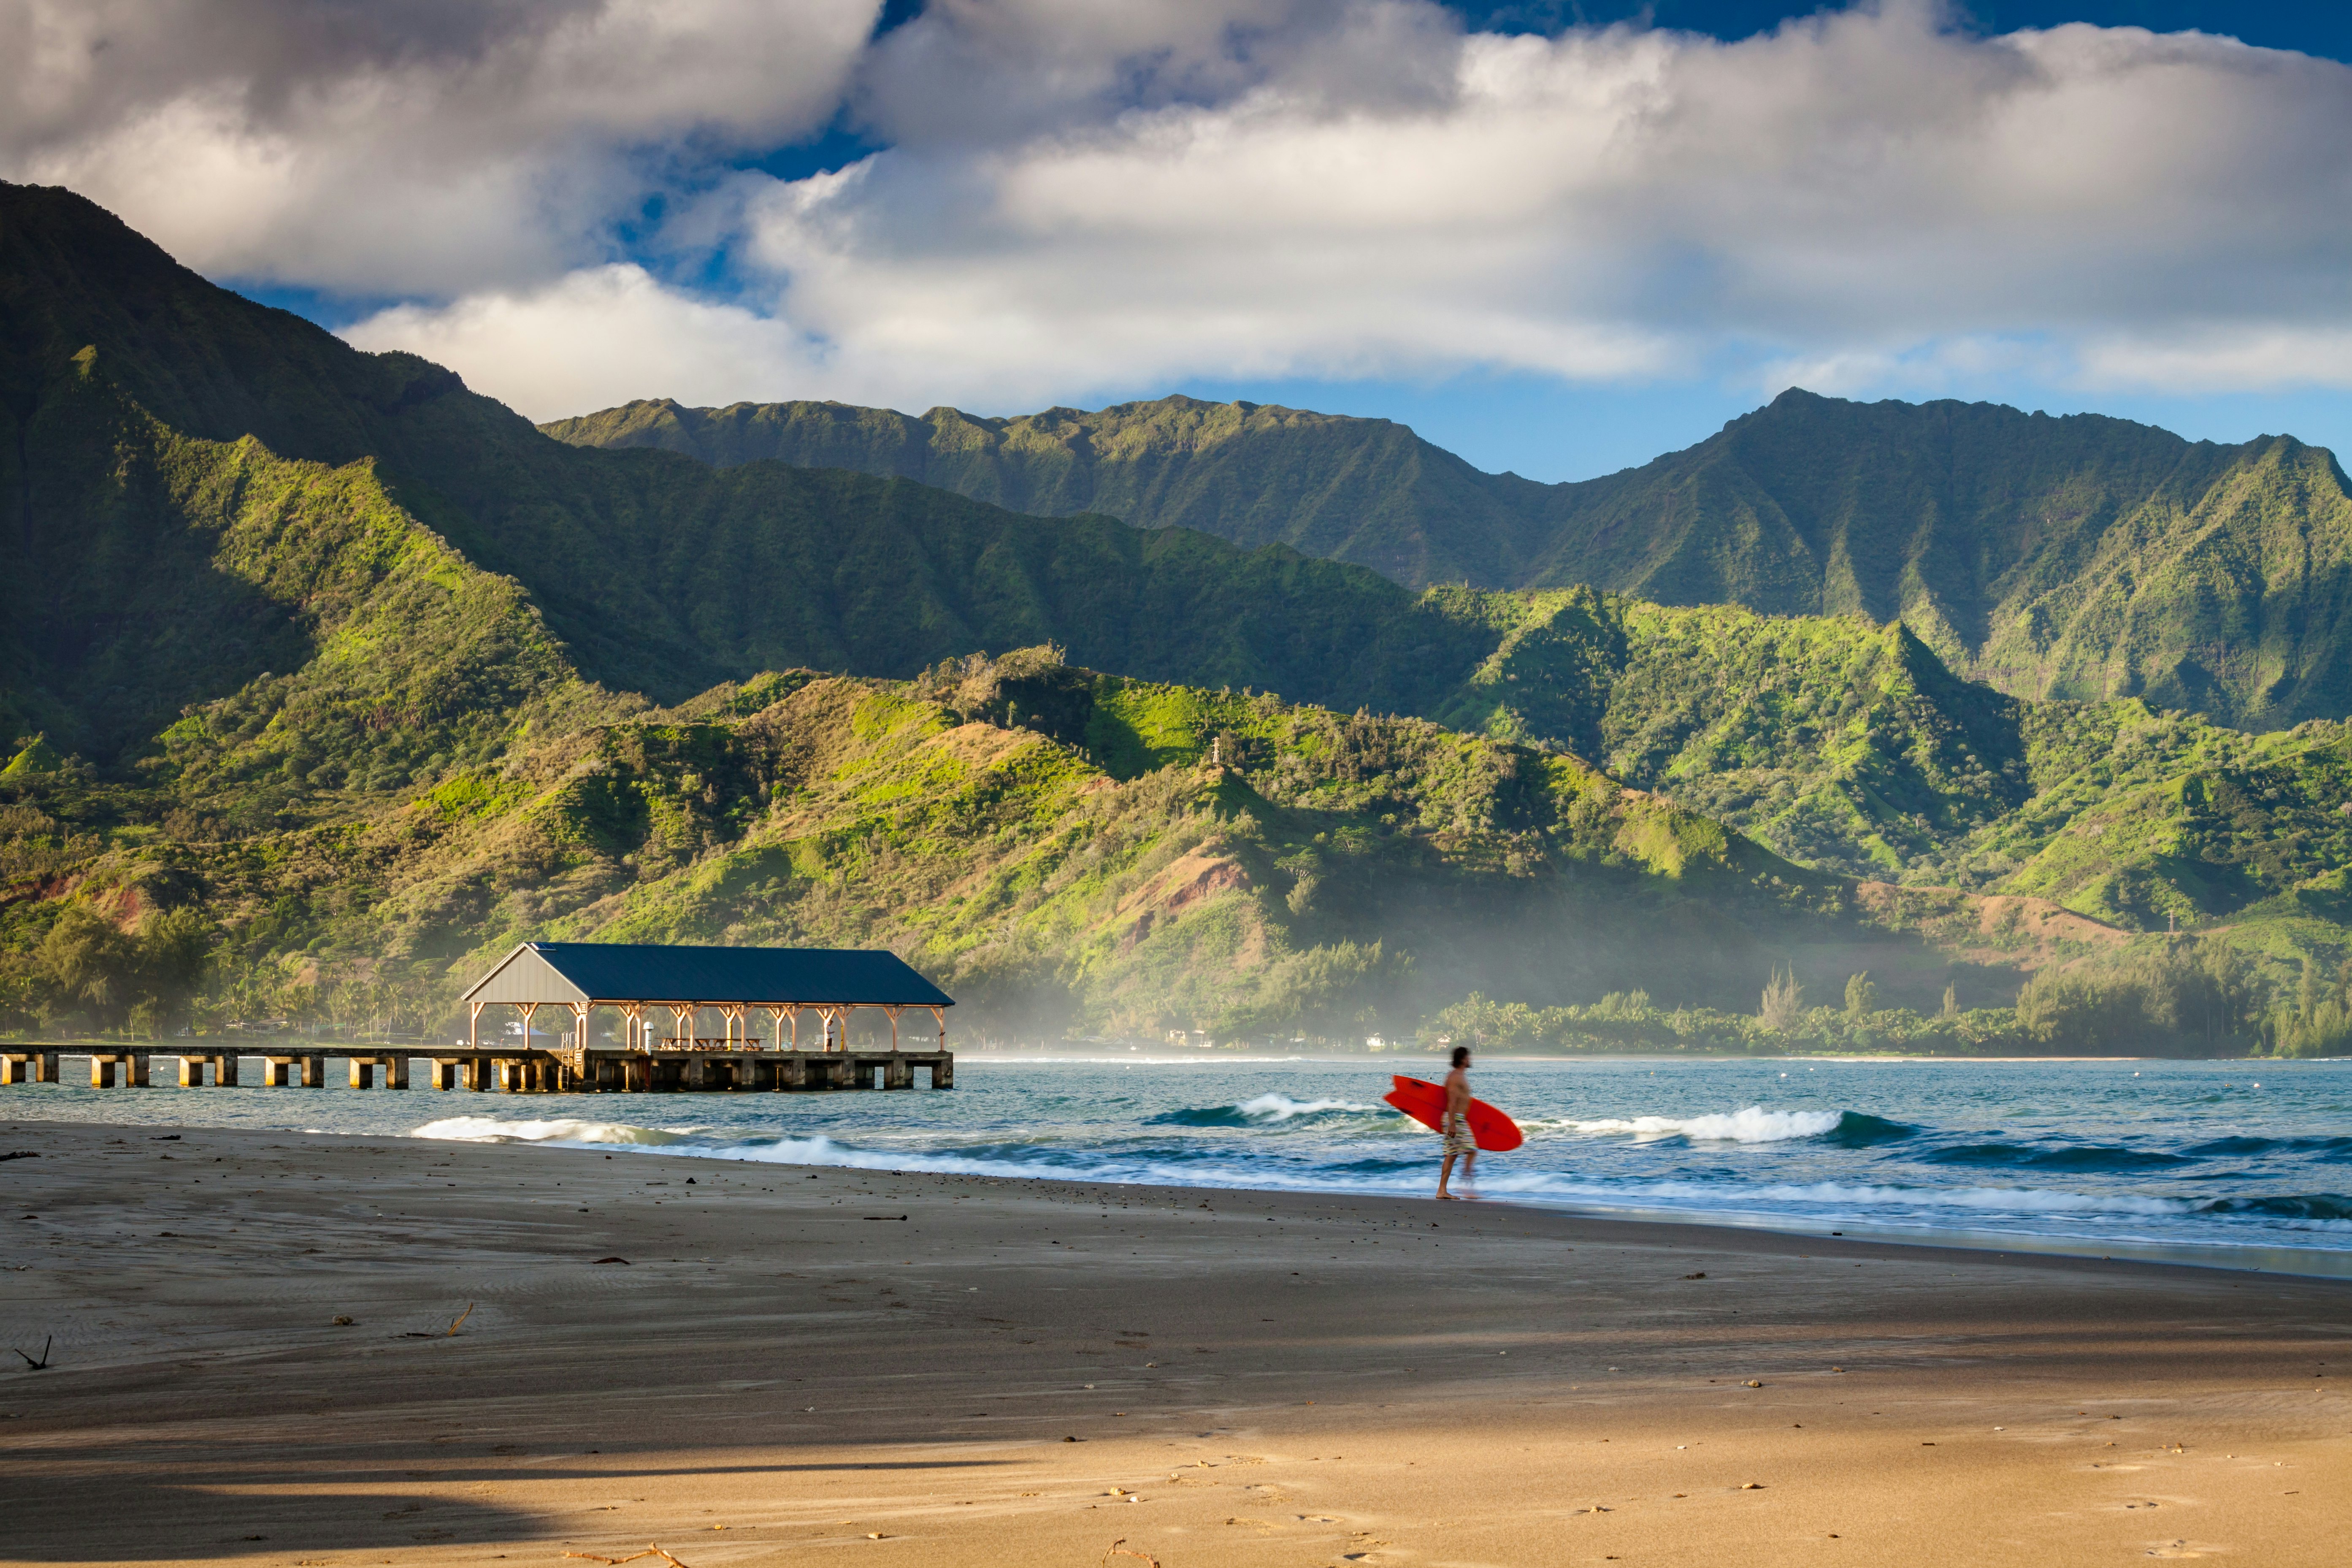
(2243, 1164)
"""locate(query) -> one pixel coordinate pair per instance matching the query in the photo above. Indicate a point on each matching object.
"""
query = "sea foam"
(563, 1130)
(1753, 1124)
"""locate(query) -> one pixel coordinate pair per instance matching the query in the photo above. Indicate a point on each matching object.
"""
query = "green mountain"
(1067, 851)
(1850, 747)
(321, 675)
(2081, 557)
(655, 574)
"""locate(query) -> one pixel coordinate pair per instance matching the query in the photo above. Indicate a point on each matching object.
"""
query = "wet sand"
(786, 1370)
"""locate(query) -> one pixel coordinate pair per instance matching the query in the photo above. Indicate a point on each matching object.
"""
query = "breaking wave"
(1753, 1125)
(490, 1130)
(1265, 1110)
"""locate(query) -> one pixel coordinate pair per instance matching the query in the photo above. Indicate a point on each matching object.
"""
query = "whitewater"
(2242, 1164)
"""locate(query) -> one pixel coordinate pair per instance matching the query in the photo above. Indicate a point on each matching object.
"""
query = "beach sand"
(799, 1366)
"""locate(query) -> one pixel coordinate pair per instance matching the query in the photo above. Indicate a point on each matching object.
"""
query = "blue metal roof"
(630, 972)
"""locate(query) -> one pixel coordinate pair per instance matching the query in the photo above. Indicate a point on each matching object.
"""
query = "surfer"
(1459, 1145)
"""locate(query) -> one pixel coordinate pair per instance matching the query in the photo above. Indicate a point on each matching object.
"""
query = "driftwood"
(461, 1318)
(649, 1551)
(1120, 1548)
(42, 1364)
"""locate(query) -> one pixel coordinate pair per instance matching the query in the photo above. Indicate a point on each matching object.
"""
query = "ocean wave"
(1752, 1125)
(1822, 1197)
(2090, 1158)
(2330, 1211)
(1264, 1110)
(490, 1130)
(2091, 1219)
(2327, 1147)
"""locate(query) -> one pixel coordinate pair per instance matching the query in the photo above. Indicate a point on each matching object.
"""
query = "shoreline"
(620, 1113)
(796, 1364)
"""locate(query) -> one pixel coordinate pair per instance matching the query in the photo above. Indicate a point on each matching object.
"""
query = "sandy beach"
(817, 1366)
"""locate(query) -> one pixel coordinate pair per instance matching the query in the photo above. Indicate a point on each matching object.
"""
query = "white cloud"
(598, 337)
(419, 147)
(1077, 197)
(2257, 358)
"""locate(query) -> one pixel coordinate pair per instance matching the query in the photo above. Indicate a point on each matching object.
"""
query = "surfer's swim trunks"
(1459, 1140)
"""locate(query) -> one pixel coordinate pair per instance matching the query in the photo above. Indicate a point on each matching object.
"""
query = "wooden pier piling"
(508, 1070)
(223, 1066)
(109, 1069)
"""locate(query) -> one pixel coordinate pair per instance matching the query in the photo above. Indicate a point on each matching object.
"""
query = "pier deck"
(489, 1067)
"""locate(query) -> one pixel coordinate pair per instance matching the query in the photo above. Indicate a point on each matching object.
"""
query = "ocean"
(2233, 1164)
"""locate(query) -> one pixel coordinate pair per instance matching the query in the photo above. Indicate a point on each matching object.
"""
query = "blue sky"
(1549, 430)
(1556, 238)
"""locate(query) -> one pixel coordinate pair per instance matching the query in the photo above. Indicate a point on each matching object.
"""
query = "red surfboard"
(1493, 1131)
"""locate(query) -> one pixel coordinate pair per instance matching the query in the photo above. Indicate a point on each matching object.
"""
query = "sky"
(1557, 237)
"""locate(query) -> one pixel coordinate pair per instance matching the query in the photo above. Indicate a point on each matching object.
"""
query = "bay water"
(2229, 1163)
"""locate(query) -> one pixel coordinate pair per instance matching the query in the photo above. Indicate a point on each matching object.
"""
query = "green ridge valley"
(1940, 727)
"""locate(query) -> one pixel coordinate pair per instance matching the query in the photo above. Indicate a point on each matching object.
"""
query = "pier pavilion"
(638, 985)
(642, 984)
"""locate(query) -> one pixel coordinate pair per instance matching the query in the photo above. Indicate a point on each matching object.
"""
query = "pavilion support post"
(138, 1063)
(102, 1072)
(893, 1011)
(224, 1070)
(192, 1072)
(362, 1073)
(314, 1072)
(474, 1025)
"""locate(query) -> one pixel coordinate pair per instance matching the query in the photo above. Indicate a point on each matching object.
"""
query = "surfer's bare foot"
(1448, 1197)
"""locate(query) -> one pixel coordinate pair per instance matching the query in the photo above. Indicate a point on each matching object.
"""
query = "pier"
(627, 989)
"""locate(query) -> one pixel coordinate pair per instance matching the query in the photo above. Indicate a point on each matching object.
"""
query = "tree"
(87, 963)
(1861, 997)
(1784, 1002)
(173, 954)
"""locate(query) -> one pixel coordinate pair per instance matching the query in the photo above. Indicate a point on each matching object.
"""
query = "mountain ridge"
(2071, 556)
(431, 679)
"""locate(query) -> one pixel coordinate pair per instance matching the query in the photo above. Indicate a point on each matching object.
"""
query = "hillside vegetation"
(2080, 558)
(322, 678)
(1067, 851)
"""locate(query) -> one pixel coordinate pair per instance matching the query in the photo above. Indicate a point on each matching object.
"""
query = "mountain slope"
(1058, 847)
(2079, 557)
(370, 702)
(653, 573)
(1363, 490)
